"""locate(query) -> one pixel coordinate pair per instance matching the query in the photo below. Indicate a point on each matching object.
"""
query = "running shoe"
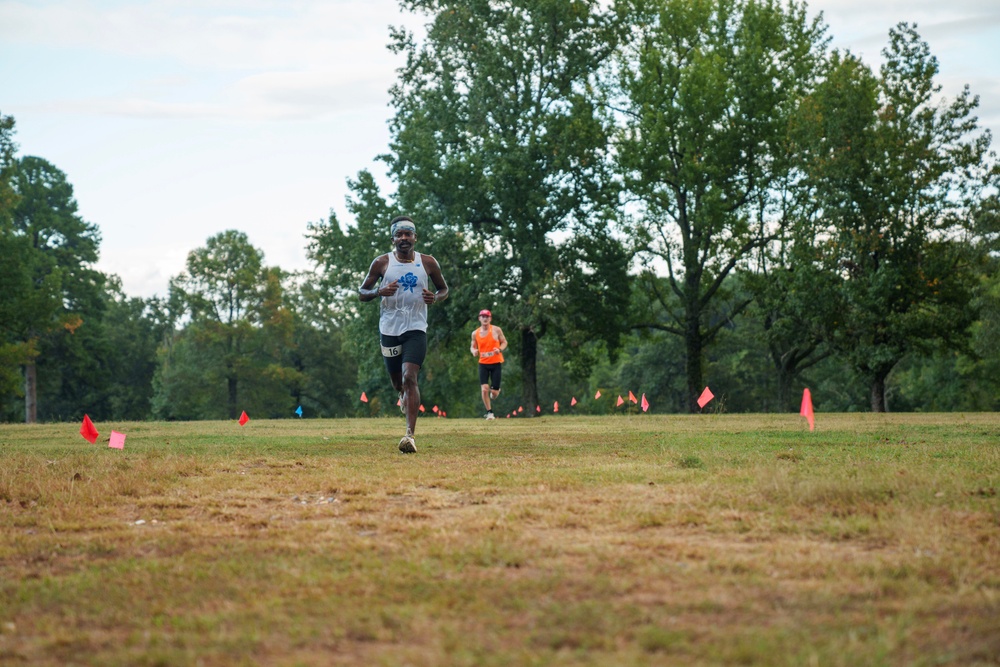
(408, 445)
(489, 415)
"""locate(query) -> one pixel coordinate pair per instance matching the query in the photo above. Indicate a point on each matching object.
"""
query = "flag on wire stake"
(620, 400)
(117, 440)
(597, 395)
(364, 397)
(298, 411)
(244, 418)
(555, 407)
(705, 397)
(632, 397)
(88, 430)
(807, 408)
(573, 402)
(645, 403)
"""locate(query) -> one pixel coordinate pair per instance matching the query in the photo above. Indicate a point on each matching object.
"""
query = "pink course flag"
(645, 403)
(620, 400)
(117, 440)
(422, 408)
(555, 407)
(364, 397)
(88, 430)
(538, 408)
(434, 409)
(244, 418)
(632, 397)
(807, 408)
(597, 395)
(705, 397)
(573, 402)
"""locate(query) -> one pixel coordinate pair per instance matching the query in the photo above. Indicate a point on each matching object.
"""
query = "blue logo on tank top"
(408, 282)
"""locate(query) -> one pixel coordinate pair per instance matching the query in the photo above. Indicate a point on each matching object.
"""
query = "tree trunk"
(878, 392)
(785, 380)
(693, 347)
(529, 378)
(233, 414)
(30, 393)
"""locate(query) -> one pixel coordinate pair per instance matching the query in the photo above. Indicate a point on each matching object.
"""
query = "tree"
(132, 331)
(342, 256)
(231, 353)
(499, 152)
(14, 278)
(54, 250)
(896, 175)
(704, 90)
(794, 306)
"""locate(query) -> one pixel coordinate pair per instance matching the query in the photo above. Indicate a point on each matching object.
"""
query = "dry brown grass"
(558, 541)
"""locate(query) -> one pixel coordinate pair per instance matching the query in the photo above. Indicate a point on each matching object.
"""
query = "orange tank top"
(489, 347)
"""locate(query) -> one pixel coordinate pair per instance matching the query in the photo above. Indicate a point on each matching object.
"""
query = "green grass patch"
(710, 539)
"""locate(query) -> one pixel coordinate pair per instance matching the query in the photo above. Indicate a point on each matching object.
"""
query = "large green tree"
(14, 278)
(704, 90)
(897, 173)
(54, 250)
(231, 353)
(499, 151)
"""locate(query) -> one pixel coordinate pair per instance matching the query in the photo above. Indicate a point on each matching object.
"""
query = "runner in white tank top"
(400, 279)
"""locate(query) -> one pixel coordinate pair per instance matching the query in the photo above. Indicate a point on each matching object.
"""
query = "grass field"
(649, 540)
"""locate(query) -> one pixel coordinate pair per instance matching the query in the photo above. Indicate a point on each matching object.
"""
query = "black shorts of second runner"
(490, 374)
(409, 347)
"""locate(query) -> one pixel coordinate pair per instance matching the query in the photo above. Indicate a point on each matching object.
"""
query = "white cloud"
(212, 34)
(178, 119)
(263, 60)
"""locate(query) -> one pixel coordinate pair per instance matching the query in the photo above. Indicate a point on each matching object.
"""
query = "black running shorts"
(490, 374)
(409, 347)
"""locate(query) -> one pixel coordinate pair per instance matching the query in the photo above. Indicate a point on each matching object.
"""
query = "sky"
(175, 120)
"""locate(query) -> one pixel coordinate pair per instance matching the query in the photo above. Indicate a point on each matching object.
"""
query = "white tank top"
(405, 310)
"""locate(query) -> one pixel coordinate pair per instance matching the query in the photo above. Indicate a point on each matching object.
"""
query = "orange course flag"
(88, 430)
(364, 398)
(632, 397)
(597, 395)
(244, 418)
(620, 400)
(555, 407)
(807, 408)
(573, 402)
(705, 397)
(645, 403)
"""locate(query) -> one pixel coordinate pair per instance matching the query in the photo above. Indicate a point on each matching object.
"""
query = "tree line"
(651, 196)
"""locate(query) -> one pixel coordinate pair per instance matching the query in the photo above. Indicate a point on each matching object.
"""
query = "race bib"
(394, 351)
